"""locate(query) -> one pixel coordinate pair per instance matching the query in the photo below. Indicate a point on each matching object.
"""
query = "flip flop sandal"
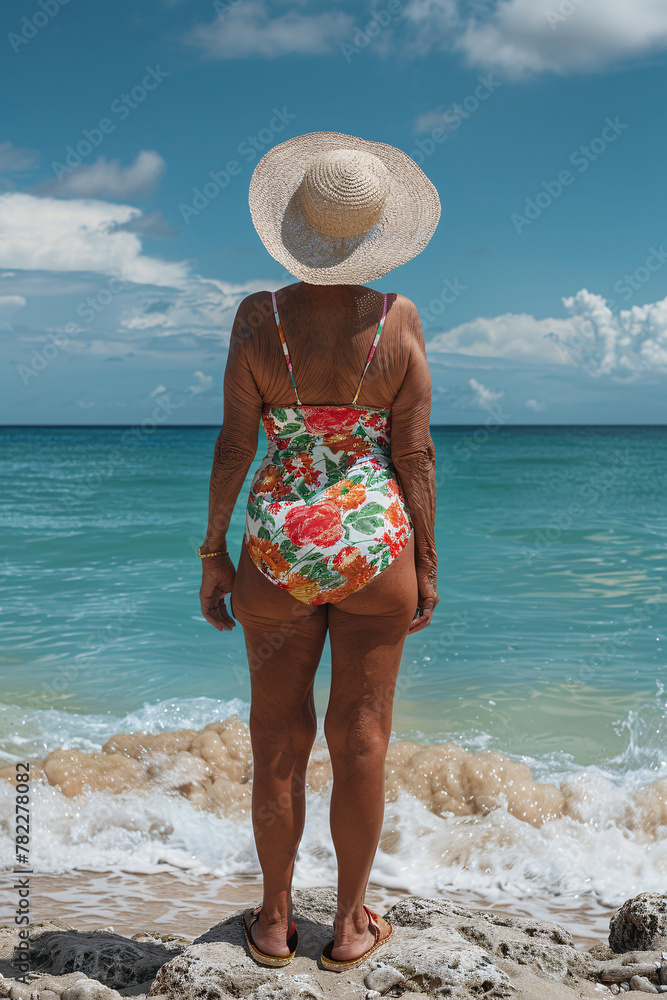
(260, 956)
(330, 963)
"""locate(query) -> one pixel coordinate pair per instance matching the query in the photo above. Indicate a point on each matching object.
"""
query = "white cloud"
(512, 335)
(108, 179)
(204, 384)
(157, 391)
(483, 396)
(623, 343)
(250, 30)
(535, 36)
(48, 234)
(533, 404)
(16, 159)
(595, 338)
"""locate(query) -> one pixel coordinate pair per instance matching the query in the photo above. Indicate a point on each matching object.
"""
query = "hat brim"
(410, 214)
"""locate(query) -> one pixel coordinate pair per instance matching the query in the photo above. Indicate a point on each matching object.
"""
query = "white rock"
(90, 989)
(383, 979)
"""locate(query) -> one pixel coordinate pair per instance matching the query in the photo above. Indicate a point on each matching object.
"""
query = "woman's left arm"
(235, 450)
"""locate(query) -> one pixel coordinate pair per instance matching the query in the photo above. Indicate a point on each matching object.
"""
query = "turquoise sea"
(548, 645)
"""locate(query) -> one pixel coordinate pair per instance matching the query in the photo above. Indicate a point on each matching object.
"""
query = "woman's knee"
(357, 737)
(283, 732)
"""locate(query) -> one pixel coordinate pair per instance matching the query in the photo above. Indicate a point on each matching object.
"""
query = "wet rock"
(383, 978)
(640, 924)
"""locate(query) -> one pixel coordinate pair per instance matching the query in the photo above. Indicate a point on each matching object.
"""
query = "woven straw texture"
(336, 209)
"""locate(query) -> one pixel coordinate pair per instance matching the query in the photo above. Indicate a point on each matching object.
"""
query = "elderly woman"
(339, 534)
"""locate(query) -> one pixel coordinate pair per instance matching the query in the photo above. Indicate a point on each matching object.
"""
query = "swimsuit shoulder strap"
(284, 343)
(372, 350)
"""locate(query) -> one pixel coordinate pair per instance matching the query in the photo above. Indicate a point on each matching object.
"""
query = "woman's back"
(329, 330)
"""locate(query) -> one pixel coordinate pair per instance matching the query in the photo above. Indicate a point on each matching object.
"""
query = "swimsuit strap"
(284, 343)
(372, 350)
(289, 363)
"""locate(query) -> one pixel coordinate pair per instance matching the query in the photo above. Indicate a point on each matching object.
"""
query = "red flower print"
(302, 466)
(320, 524)
(396, 515)
(282, 443)
(330, 419)
(346, 494)
(274, 507)
(392, 488)
(395, 543)
(263, 551)
(271, 482)
(381, 440)
(269, 427)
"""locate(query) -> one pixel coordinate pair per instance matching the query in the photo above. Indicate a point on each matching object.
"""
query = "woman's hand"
(218, 574)
(428, 597)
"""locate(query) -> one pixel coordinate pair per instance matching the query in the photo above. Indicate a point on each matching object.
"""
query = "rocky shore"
(438, 948)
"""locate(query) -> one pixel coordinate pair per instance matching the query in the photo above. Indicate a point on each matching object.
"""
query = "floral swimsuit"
(325, 512)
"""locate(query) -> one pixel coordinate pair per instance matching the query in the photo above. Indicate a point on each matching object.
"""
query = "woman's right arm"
(413, 455)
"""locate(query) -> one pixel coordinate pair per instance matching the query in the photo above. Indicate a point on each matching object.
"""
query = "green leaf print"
(304, 491)
(300, 441)
(365, 511)
(288, 549)
(279, 412)
(380, 547)
(367, 525)
(356, 479)
(263, 533)
(265, 517)
(333, 472)
(385, 561)
(289, 429)
(321, 574)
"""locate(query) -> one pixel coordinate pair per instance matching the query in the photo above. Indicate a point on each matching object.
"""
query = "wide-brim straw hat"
(336, 209)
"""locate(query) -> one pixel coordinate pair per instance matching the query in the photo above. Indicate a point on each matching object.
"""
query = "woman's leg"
(367, 631)
(284, 640)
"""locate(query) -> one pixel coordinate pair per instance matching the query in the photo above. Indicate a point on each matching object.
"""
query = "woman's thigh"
(392, 594)
(367, 632)
(284, 640)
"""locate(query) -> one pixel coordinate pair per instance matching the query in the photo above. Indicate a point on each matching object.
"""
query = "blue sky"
(541, 123)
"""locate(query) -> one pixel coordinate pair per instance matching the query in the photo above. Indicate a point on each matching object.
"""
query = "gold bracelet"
(205, 555)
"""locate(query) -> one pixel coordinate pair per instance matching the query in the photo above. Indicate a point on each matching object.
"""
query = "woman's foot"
(353, 936)
(269, 934)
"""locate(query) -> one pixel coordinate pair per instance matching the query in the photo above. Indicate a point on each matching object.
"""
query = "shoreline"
(188, 904)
